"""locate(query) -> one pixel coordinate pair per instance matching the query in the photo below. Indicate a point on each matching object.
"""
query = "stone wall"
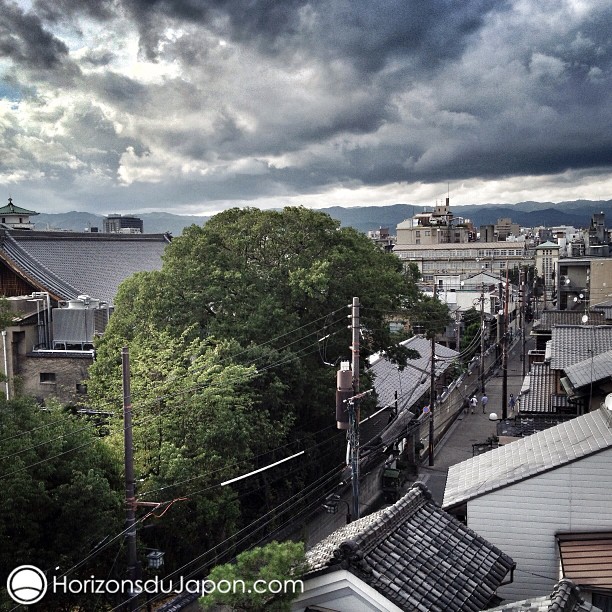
(59, 375)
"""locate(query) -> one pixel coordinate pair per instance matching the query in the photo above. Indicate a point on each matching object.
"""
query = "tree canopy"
(233, 345)
(60, 498)
(264, 579)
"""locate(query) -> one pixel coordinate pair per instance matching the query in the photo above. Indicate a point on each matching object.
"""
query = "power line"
(250, 460)
(249, 528)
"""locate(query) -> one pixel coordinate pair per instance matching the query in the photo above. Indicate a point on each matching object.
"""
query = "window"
(47, 377)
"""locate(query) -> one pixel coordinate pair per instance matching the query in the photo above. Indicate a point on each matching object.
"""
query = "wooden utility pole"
(432, 392)
(130, 495)
(523, 290)
(482, 340)
(505, 352)
(354, 407)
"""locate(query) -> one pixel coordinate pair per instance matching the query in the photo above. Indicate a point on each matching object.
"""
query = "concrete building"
(546, 262)
(126, 224)
(597, 241)
(382, 238)
(583, 282)
(504, 229)
(431, 228)
(465, 259)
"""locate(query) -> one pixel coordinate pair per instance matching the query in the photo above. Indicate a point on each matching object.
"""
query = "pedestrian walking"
(473, 403)
(511, 402)
(484, 401)
(466, 405)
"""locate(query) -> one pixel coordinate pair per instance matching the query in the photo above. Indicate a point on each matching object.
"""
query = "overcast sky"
(193, 106)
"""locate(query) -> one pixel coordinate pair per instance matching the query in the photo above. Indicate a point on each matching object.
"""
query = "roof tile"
(405, 552)
(542, 451)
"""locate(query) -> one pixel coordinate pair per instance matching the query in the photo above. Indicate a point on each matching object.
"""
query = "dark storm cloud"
(119, 90)
(370, 34)
(254, 98)
(24, 40)
(365, 33)
(98, 57)
(59, 10)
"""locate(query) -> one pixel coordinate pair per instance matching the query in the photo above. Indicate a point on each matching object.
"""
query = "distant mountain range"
(577, 213)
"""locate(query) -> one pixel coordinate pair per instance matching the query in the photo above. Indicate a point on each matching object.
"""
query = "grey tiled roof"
(68, 264)
(414, 380)
(527, 457)
(590, 370)
(536, 397)
(564, 598)
(550, 318)
(605, 308)
(570, 344)
(417, 556)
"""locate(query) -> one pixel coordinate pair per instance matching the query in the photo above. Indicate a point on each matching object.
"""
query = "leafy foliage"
(231, 344)
(60, 495)
(469, 344)
(195, 424)
(273, 564)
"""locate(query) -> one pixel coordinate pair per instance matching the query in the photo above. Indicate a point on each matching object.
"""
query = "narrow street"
(470, 429)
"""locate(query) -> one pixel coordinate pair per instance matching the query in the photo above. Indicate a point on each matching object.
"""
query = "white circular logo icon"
(26, 584)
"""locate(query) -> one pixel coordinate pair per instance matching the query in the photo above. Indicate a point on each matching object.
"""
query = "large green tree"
(268, 292)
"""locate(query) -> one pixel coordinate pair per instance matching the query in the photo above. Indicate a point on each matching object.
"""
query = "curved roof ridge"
(33, 267)
(390, 517)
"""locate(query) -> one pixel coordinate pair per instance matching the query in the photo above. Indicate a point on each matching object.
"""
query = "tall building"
(597, 237)
(546, 261)
(444, 248)
(437, 227)
(123, 224)
(504, 228)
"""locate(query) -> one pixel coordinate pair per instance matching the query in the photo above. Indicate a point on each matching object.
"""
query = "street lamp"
(155, 559)
(331, 505)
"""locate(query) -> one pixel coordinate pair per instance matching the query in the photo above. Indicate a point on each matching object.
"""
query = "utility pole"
(523, 290)
(458, 322)
(6, 372)
(482, 340)
(130, 495)
(432, 392)
(505, 352)
(354, 406)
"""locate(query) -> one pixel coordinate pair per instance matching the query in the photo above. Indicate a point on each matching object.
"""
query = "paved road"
(473, 428)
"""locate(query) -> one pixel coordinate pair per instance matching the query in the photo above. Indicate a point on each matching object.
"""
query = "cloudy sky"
(193, 106)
